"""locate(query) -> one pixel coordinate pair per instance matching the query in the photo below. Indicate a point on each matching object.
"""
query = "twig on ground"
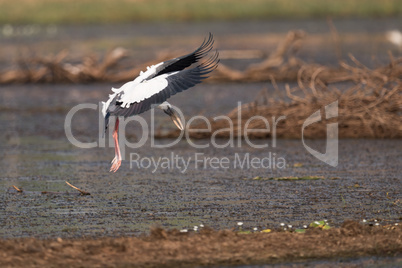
(17, 189)
(78, 189)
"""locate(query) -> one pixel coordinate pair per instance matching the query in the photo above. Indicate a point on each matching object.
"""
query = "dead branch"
(78, 189)
(281, 64)
(336, 39)
(371, 108)
(17, 189)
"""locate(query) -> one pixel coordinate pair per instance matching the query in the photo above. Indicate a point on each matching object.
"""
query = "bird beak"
(174, 116)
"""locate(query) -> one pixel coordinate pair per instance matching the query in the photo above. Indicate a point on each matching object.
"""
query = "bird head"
(168, 109)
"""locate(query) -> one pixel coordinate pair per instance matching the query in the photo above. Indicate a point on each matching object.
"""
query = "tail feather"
(105, 114)
(107, 121)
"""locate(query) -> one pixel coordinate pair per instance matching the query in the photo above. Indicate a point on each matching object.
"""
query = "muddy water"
(36, 156)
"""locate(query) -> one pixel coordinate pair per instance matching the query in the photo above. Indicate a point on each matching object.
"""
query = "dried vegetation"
(206, 248)
(369, 100)
(369, 105)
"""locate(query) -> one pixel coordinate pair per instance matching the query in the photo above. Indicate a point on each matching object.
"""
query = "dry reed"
(370, 108)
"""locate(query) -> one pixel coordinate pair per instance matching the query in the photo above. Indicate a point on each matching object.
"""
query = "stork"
(154, 86)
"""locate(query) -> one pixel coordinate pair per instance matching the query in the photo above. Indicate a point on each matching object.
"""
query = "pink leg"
(116, 162)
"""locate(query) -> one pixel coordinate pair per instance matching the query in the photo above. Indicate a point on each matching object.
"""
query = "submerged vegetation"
(121, 11)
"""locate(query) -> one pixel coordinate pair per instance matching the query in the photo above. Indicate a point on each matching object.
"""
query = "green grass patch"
(123, 11)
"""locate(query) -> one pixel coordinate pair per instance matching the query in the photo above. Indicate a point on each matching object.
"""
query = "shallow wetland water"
(37, 157)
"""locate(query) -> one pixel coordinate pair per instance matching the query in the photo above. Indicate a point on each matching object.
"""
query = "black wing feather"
(180, 63)
(177, 82)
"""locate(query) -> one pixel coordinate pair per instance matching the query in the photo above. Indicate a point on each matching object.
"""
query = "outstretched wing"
(180, 63)
(158, 89)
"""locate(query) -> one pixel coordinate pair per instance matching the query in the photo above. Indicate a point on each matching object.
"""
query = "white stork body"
(155, 86)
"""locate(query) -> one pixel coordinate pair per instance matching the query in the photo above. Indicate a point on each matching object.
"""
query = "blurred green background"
(124, 11)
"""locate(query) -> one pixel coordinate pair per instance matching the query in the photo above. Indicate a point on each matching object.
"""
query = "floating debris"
(17, 189)
(320, 224)
(78, 189)
(20, 190)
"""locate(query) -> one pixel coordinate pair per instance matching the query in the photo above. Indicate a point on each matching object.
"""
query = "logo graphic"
(330, 156)
(331, 152)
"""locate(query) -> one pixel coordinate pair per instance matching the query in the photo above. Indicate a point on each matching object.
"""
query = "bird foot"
(116, 163)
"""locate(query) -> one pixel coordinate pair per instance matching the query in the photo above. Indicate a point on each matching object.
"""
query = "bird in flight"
(154, 86)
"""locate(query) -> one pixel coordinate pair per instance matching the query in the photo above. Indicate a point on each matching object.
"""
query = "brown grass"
(207, 248)
(56, 69)
(371, 106)
(281, 65)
